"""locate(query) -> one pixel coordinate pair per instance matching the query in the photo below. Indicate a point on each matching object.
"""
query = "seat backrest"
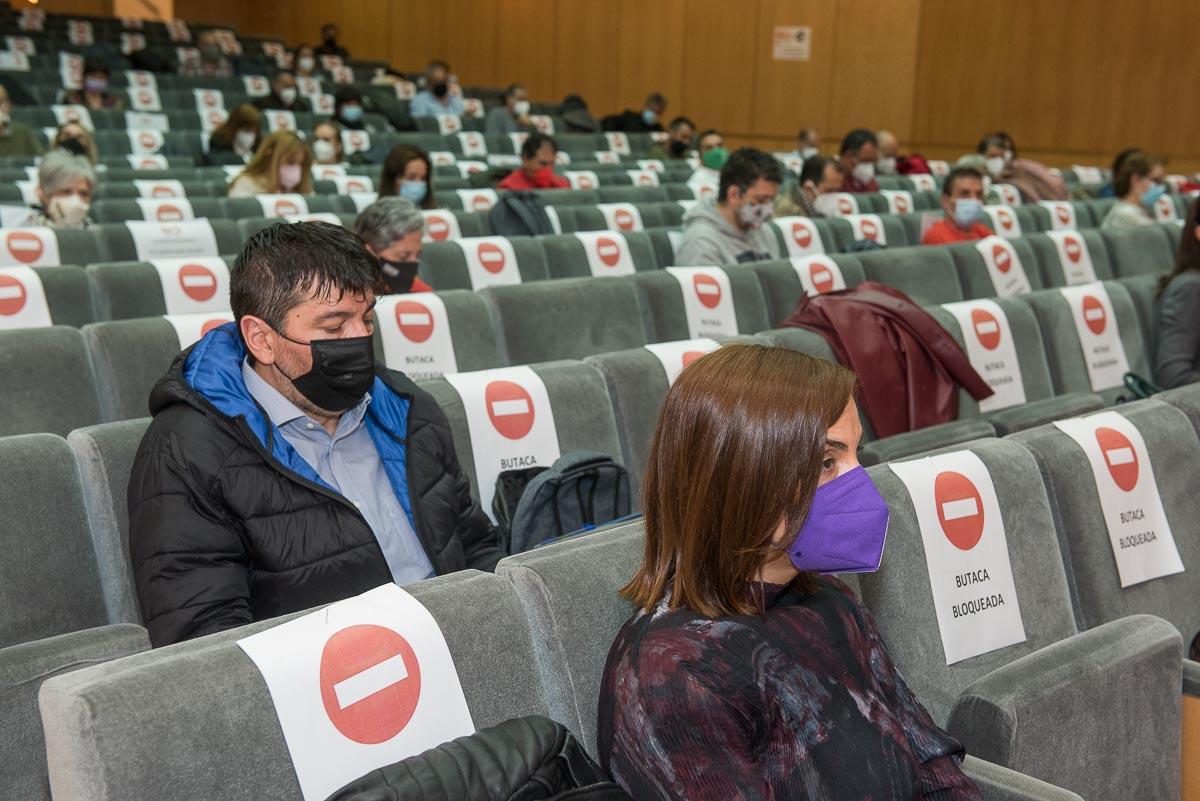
(606, 253)
(1139, 251)
(64, 290)
(158, 725)
(927, 275)
(174, 240)
(1089, 532)
(1065, 256)
(785, 281)
(475, 262)
(48, 383)
(978, 281)
(415, 333)
(49, 582)
(900, 594)
(129, 357)
(128, 290)
(690, 302)
(566, 319)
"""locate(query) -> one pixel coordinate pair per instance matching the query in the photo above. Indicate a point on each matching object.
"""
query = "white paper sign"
(991, 351)
(145, 99)
(166, 209)
(607, 252)
(14, 61)
(148, 162)
(256, 85)
(442, 158)
(922, 182)
(846, 202)
(1004, 221)
(191, 328)
(282, 205)
(363, 199)
(1062, 214)
(966, 553)
(29, 247)
(818, 274)
(491, 261)
(618, 143)
(132, 42)
(939, 168)
(707, 301)
(280, 120)
(1088, 175)
(208, 100)
(146, 142)
(607, 157)
(415, 331)
(473, 144)
(1004, 267)
(468, 168)
(325, 172)
(642, 177)
(181, 240)
(675, 356)
(477, 199)
(621, 216)
(543, 123)
(321, 216)
(15, 216)
(355, 141)
(22, 299)
(1099, 335)
(791, 43)
(21, 44)
(1141, 538)
(440, 226)
(582, 179)
(517, 138)
(555, 222)
(510, 422)
(193, 286)
(141, 79)
(899, 201)
(360, 684)
(867, 226)
(352, 184)
(448, 124)
(76, 114)
(800, 236)
(1009, 195)
(70, 70)
(159, 188)
(143, 120)
(651, 165)
(1164, 209)
(1074, 256)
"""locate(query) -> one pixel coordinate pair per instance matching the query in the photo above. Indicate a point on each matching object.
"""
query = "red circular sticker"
(1001, 257)
(708, 290)
(359, 659)
(959, 509)
(608, 250)
(12, 295)
(624, 219)
(801, 234)
(437, 228)
(1119, 456)
(414, 320)
(491, 257)
(24, 246)
(510, 408)
(198, 282)
(1094, 314)
(987, 328)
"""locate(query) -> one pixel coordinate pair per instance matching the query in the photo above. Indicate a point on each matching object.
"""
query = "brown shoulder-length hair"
(737, 451)
(271, 152)
(393, 168)
(1187, 257)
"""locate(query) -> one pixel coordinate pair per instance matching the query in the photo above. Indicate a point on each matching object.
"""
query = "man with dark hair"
(858, 153)
(678, 146)
(284, 95)
(808, 143)
(329, 42)
(513, 116)
(436, 98)
(537, 166)
(962, 202)
(644, 121)
(819, 176)
(706, 180)
(732, 230)
(284, 469)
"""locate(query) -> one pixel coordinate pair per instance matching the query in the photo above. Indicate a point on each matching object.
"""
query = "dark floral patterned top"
(802, 703)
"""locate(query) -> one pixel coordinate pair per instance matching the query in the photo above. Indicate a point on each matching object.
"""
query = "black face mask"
(398, 275)
(678, 148)
(440, 89)
(342, 372)
(73, 146)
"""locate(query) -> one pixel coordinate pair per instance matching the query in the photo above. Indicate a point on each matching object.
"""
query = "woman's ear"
(1195, 231)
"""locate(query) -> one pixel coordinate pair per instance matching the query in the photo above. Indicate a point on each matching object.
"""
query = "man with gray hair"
(391, 228)
(66, 183)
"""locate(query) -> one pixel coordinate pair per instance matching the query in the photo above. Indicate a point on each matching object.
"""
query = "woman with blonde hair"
(282, 164)
(77, 140)
(237, 138)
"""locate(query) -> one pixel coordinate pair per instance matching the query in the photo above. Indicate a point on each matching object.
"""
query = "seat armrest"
(997, 783)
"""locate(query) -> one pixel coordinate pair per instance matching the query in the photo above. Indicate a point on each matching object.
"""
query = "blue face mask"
(649, 117)
(845, 529)
(1151, 195)
(352, 113)
(966, 211)
(413, 190)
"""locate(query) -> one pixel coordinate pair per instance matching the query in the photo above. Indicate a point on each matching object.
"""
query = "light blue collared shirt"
(426, 105)
(349, 462)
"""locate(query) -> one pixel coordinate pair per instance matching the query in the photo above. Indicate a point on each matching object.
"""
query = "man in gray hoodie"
(732, 230)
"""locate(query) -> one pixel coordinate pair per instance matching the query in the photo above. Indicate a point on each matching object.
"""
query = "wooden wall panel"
(790, 95)
(416, 34)
(469, 42)
(875, 51)
(585, 52)
(719, 61)
(367, 31)
(525, 50)
(649, 54)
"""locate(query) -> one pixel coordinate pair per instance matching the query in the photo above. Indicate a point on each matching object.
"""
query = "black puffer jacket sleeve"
(190, 565)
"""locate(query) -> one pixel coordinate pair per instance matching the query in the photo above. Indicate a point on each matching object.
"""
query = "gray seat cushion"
(130, 356)
(926, 274)
(48, 382)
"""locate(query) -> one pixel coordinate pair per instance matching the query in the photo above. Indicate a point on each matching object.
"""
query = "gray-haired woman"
(66, 183)
(392, 228)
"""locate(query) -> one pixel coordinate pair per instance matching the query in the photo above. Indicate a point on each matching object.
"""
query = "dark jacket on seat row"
(228, 524)
(910, 368)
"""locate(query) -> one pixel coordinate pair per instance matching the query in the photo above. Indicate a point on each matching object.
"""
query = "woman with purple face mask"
(282, 165)
(94, 94)
(746, 672)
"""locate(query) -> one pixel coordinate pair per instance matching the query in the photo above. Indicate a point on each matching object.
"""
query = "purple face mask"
(845, 528)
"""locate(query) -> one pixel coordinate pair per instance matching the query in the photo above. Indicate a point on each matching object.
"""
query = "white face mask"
(1008, 155)
(808, 152)
(288, 95)
(521, 108)
(886, 165)
(827, 204)
(995, 165)
(244, 140)
(864, 173)
(324, 150)
(4, 116)
(305, 63)
(289, 176)
(753, 215)
(68, 210)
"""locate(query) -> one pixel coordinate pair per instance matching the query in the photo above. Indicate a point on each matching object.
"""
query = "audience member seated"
(1137, 190)
(94, 94)
(1177, 359)
(284, 95)
(1033, 179)
(573, 111)
(962, 204)
(645, 121)
(236, 140)
(66, 184)
(16, 138)
(537, 166)
(732, 230)
(77, 140)
(212, 62)
(745, 672)
(891, 162)
(282, 164)
(813, 196)
(436, 98)
(304, 62)
(329, 42)
(678, 146)
(283, 468)
(327, 145)
(392, 228)
(858, 153)
(407, 173)
(513, 116)
(808, 143)
(706, 179)
(349, 109)
(1118, 161)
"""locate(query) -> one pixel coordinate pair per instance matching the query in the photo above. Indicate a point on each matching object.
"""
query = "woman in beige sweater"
(282, 163)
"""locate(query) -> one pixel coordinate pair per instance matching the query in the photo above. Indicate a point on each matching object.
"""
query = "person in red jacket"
(537, 166)
(962, 200)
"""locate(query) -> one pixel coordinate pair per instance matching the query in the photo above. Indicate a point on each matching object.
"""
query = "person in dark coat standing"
(284, 469)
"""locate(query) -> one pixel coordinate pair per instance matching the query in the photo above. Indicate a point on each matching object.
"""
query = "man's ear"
(259, 338)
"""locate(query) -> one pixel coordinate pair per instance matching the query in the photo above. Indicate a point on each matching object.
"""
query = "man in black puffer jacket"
(282, 469)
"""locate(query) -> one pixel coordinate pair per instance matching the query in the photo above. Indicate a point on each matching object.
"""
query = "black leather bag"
(523, 759)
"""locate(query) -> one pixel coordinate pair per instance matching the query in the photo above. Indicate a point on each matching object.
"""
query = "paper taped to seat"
(800, 235)
(191, 328)
(1062, 214)
(1099, 335)
(642, 177)
(360, 684)
(186, 239)
(991, 350)
(479, 200)
(867, 227)
(818, 274)
(440, 226)
(29, 247)
(415, 331)
(22, 299)
(966, 553)
(674, 356)
(707, 301)
(1073, 256)
(171, 210)
(1004, 267)
(472, 144)
(621, 216)
(160, 188)
(607, 252)
(899, 201)
(192, 286)
(283, 205)
(491, 261)
(1138, 531)
(582, 179)
(1004, 221)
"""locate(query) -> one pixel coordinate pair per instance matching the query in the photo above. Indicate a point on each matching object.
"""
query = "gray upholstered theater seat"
(1174, 451)
(1139, 251)
(472, 332)
(127, 290)
(444, 264)
(1186, 399)
(910, 443)
(926, 274)
(67, 297)
(23, 668)
(566, 255)
(973, 272)
(830, 242)
(782, 287)
(1054, 271)
(130, 356)
(118, 242)
(49, 581)
(1012, 705)
(104, 455)
(1143, 291)
(566, 319)
(80, 246)
(662, 297)
(48, 383)
(569, 593)
(117, 210)
(195, 720)
(1064, 353)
